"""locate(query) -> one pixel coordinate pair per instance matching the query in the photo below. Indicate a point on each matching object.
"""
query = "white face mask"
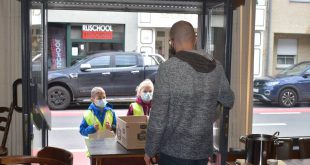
(101, 103)
(147, 96)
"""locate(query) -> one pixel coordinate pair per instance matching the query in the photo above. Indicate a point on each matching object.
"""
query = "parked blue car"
(288, 88)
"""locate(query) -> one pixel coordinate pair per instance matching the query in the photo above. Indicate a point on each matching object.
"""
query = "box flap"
(133, 119)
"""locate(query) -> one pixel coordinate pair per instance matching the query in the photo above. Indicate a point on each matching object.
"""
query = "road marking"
(275, 110)
(268, 124)
(65, 128)
(279, 113)
(67, 113)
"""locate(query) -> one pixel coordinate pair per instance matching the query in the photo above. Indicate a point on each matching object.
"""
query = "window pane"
(281, 60)
(286, 59)
(100, 62)
(281, 94)
(125, 60)
(290, 60)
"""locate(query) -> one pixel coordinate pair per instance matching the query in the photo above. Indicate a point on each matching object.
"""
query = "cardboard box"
(131, 131)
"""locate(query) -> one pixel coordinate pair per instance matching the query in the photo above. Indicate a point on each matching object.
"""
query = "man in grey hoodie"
(188, 88)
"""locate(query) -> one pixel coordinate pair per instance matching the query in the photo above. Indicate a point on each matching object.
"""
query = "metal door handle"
(15, 96)
(135, 71)
(106, 73)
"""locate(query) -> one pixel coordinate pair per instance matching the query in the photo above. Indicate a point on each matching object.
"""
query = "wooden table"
(284, 162)
(109, 152)
(297, 162)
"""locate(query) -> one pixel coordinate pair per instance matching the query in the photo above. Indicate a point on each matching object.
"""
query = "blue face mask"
(101, 103)
(147, 96)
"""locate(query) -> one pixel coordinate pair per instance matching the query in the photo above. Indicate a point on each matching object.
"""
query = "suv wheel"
(288, 98)
(58, 97)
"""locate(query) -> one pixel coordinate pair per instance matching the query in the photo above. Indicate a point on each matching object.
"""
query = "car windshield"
(295, 70)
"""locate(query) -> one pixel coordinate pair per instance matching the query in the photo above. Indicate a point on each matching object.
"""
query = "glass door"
(218, 44)
(36, 115)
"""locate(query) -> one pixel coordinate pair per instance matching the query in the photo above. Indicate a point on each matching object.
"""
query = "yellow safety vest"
(137, 109)
(91, 119)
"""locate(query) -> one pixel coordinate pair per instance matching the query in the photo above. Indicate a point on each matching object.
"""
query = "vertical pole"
(26, 52)
(203, 26)
(45, 69)
(227, 66)
(228, 46)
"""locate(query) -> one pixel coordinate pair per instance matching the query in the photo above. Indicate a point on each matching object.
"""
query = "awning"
(158, 6)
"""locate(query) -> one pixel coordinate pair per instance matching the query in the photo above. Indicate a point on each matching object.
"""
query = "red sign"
(57, 45)
(104, 32)
(104, 35)
(58, 53)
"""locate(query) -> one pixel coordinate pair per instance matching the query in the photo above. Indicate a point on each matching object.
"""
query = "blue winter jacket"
(86, 129)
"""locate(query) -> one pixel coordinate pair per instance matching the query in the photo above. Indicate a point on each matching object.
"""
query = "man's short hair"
(97, 91)
(182, 31)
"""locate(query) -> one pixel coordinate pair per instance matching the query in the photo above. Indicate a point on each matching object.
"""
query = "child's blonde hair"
(97, 91)
(143, 84)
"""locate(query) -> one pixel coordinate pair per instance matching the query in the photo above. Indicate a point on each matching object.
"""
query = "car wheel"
(58, 98)
(288, 98)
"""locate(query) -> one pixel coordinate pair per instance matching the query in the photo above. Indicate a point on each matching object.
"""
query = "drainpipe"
(269, 52)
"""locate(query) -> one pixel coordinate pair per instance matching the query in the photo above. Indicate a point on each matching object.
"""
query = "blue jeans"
(169, 160)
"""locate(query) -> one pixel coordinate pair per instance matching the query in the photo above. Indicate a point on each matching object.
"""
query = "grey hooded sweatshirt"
(188, 88)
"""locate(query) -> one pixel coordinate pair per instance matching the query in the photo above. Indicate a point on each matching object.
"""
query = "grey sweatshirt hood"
(198, 60)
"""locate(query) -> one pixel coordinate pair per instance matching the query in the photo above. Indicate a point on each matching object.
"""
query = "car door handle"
(135, 71)
(106, 73)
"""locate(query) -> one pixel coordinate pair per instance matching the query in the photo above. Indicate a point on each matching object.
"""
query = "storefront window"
(88, 39)
(57, 55)
(69, 43)
(282, 89)
(85, 48)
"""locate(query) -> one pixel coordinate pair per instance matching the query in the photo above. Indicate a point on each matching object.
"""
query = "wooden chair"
(304, 147)
(56, 153)
(5, 121)
(29, 159)
(285, 149)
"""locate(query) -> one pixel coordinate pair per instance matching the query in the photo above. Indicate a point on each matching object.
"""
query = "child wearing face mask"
(142, 106)
(99, 116)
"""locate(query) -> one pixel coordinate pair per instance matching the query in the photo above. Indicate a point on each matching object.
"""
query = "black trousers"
(169, 160)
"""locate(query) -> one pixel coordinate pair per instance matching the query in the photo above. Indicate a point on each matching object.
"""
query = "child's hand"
(96, 126)
(108, 126)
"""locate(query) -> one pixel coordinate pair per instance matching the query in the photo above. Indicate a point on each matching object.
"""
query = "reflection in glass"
(37, 72)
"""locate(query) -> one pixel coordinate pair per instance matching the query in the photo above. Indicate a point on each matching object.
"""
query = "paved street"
(267, 119)
(288, 121)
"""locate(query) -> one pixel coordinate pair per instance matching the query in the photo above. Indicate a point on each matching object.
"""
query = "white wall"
(162, 20)
(130, 20)
(10, 67)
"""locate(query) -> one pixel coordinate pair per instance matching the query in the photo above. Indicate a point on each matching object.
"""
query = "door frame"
(26, 74)
(30, 90)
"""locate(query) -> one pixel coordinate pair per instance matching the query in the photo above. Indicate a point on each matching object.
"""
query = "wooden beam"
(237, 3)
